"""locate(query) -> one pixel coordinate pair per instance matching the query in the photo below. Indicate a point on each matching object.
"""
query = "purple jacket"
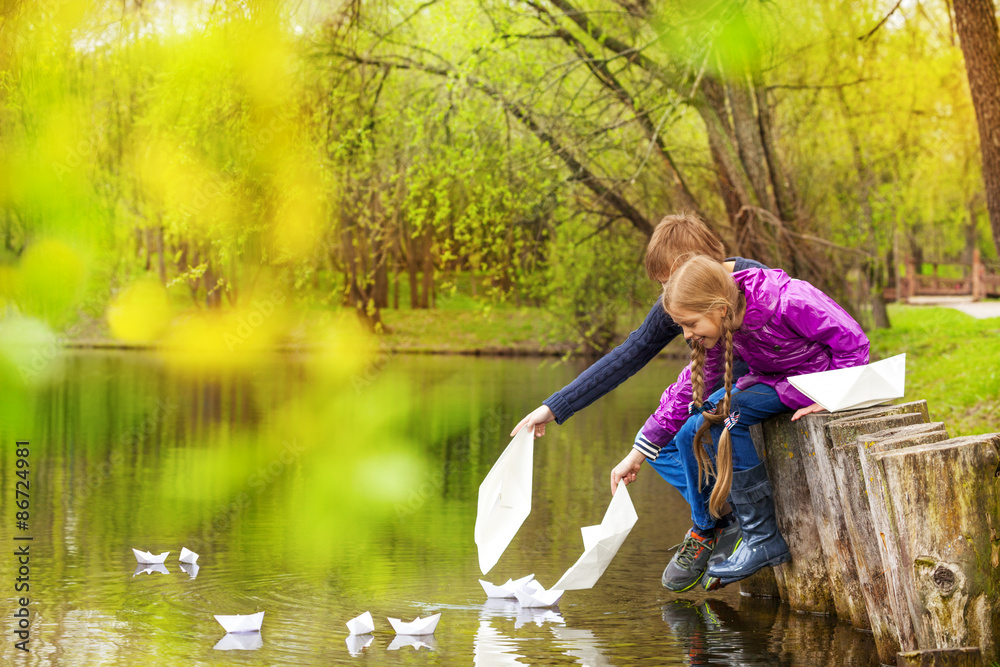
(790, 328)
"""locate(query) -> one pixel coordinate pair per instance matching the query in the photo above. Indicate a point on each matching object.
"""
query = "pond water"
(316, 495)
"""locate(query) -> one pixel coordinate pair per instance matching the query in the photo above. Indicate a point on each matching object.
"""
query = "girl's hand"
(627, 469)
(536, 419)
(801, 412)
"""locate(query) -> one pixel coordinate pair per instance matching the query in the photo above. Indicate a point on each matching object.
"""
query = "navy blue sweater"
(621, 363)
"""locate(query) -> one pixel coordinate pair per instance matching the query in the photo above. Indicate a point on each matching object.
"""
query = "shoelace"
(690, 548)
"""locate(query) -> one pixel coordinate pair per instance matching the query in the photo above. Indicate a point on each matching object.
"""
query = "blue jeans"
(677, 464)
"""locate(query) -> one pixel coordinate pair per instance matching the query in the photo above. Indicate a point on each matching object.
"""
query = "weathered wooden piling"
(942, 657)
(892, 525)
(862, 536)
(804, 581)
(817, 451)
(789, 450)
(943, 506)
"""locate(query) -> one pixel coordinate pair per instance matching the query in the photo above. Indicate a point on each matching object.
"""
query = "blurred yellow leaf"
(140, 313)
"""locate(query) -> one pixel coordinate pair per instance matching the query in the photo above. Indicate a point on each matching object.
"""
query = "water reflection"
(240, 641)
(150, 568)
(417, 642)
(313, 499)
(356, 644)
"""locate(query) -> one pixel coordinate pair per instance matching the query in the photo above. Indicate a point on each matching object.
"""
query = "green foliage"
(952, 361)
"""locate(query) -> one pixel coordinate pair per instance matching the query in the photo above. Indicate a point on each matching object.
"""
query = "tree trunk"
(976, 23)
(748, 140)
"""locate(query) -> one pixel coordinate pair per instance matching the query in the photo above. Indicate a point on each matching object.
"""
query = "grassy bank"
(952, 361)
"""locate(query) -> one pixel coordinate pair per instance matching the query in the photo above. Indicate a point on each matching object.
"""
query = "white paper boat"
(401, 641)
(416, 627)
(504, 499)
(601, 543)
(188, 556)
(361, 625)
(857, 387)
(505, 590)
(533, 595)
(191, 569)
(241, 622)
(243, 641)
(144, 568)
(146, 557)
(356, 644)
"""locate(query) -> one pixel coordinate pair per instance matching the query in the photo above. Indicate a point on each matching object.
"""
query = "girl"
(780, 327)
(677, 236)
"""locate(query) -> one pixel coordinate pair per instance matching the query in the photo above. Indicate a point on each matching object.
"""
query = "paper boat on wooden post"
(504, 590)
(241, 622)
(418, 626)
(857, 387)
(188, 556)
(601, 543)
(148, 558)
(534, 595)
(504, 499)
(361, 625)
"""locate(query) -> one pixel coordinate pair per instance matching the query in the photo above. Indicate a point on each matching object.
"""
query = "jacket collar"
(762, 288)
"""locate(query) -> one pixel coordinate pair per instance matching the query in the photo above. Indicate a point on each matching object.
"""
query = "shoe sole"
(712, 583)
(777, 560)
(686, 588)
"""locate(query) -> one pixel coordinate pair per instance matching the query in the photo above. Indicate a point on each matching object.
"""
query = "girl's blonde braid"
(724, 464)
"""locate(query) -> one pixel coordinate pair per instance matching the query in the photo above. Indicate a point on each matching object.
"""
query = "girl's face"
(702, 329)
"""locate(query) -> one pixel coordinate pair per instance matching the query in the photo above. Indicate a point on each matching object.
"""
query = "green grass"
(484, 329)
(952, 361)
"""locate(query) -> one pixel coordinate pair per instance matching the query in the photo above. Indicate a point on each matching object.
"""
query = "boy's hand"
(802, 412)
(536, 419)
(626, 470)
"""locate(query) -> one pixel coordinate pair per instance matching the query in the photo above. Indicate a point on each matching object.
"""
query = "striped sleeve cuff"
(645, 447)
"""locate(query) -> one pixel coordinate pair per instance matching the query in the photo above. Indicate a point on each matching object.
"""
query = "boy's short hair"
(677, 235)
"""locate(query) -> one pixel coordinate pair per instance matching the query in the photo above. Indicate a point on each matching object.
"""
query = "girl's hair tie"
(707, 406)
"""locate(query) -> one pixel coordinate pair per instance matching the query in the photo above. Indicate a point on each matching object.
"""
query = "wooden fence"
(978, 281)
(893, 526)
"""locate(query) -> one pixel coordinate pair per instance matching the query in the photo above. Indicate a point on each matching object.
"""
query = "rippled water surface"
(316, 497)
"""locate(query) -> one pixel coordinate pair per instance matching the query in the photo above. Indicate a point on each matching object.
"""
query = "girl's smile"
(702, 329)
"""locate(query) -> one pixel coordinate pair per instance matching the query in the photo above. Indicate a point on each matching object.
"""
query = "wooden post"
(831, 512)
(816, 448)
(977, 275)
(943, 503)
(804, 581)
(911, 279)
(864, 539)
(966, 656)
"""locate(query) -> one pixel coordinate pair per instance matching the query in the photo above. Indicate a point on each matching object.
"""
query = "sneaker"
(689, 563)
(727, 538)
